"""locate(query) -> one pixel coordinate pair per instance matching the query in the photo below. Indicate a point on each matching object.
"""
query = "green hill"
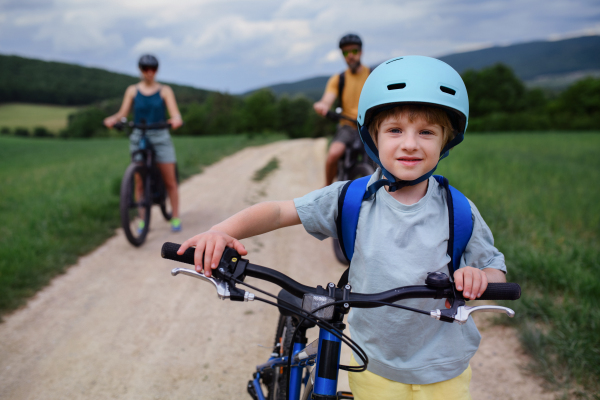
(28, 80)
(534, 59)
(553, 64)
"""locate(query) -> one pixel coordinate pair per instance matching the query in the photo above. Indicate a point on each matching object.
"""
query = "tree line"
(28, 80)
(499, 101)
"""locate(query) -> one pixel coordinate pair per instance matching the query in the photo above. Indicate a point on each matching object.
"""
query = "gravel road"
(117, 326)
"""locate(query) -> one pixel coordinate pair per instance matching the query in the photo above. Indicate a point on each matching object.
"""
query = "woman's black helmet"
(148, 60)
(350, 38)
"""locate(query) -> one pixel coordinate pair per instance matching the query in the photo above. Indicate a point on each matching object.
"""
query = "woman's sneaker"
(141, 226)
(175, 225)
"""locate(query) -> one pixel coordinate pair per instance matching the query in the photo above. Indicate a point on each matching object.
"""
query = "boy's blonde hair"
(432, 115)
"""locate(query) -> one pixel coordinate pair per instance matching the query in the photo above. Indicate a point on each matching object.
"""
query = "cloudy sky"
(239, 45)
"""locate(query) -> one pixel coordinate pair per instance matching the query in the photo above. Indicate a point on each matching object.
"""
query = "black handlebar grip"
(501, 291)
(169, 251)
(332, 115)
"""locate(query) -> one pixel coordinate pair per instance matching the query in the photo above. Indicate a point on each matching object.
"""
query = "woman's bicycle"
(142, 186)
(294, 364)
(354, 164)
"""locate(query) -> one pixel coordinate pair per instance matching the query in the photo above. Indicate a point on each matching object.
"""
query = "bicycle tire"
(164, 202)
(277, 387)
(359, 170)
(339, 254)
(130, 209)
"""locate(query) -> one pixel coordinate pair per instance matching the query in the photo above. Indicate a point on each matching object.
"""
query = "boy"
(412, 110)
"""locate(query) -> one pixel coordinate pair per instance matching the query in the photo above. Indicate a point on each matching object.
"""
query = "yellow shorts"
(367, 385)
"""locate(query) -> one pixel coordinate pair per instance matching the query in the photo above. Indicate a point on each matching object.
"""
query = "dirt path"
(117, 325)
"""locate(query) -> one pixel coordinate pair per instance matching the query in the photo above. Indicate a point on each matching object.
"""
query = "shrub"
(21, 132)
(40, 131)
(86, 123)
(294, 117)
(258, 113)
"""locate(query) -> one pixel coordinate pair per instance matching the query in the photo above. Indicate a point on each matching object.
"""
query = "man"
(347, 87)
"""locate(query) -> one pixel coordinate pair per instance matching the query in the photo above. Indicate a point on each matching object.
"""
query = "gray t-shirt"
(397, 245)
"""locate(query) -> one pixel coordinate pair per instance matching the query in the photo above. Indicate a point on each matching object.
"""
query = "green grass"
(269, 167)
(540, 195)
(17, 115)
(59, 199)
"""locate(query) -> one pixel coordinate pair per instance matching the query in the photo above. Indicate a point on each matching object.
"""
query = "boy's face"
(409, 150)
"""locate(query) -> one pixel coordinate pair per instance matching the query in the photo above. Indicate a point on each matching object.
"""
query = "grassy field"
(59, 199)
(539, 194)
(16, 115)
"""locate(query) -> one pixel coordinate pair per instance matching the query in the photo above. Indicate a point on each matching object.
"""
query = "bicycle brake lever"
(222, 287)
(464, 311)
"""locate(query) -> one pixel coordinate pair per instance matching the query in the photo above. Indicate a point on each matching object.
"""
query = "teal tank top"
(149, 108)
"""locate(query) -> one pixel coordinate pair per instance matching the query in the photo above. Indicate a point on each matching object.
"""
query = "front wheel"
(165, 203)
(359, 170)
(278, 384)
(135, 204)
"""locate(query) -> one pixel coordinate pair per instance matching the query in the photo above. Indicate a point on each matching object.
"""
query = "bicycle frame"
(325, 307)
(326, 364)
(353, 155)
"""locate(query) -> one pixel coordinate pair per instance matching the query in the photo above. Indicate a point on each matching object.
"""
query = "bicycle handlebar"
(337, 116)
(143, 126)
(494, 291)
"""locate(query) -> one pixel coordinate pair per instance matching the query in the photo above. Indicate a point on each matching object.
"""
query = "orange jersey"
(352, 87)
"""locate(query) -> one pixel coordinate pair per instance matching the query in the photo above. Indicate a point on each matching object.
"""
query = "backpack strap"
(341, 83)
(459, 213)
(460, 224)
(349, 203)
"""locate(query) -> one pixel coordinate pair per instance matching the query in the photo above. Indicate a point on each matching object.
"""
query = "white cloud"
(588, 31)
(152, 45)
(240, 44)
(332, 56)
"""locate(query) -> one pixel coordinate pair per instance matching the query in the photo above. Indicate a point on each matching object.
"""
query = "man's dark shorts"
(346, 134)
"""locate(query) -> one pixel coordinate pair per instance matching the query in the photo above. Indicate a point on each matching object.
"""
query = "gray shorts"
(346, 134)
(160, 140)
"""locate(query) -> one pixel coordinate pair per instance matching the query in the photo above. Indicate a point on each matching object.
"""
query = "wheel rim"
(135, 205)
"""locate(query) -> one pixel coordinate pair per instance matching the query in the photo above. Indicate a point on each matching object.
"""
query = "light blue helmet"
(412, 79)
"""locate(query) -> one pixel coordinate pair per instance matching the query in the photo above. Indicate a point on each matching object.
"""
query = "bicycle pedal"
(252, 390)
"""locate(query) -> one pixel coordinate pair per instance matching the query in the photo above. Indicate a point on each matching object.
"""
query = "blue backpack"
(350, 201)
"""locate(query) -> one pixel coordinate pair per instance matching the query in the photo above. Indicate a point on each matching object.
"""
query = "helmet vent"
(396, 86)
(395, 59)
(446, 90)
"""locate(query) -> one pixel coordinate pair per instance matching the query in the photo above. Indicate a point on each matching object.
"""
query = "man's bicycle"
(142, 186)
(294, 364)
(354, 164)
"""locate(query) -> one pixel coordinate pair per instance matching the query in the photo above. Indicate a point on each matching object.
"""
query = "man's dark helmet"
(350, 38)
(148, 60)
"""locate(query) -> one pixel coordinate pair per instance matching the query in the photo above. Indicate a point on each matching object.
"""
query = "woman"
(149, 99)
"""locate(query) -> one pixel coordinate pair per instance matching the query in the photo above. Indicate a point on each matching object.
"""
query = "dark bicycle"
(142, 186)
(304, 307)
(354, 164)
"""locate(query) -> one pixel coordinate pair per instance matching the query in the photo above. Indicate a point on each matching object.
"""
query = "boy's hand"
(471, 281)
(211, 245)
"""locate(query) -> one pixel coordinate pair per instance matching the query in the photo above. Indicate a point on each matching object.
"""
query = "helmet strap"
(395, 184)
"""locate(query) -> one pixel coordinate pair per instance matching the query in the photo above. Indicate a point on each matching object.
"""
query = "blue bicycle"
(294, 364)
